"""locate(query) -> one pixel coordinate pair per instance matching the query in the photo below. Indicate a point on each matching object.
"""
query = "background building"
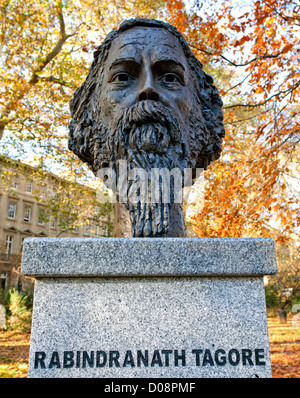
(36, 203)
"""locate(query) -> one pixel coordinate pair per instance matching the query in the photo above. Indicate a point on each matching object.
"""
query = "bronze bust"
(147, 102)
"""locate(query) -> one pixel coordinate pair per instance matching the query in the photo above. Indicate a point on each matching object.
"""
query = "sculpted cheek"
(183, 105)
(107, 106)
(113, 103)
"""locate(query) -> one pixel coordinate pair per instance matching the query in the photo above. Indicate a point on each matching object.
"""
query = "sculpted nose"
(148, 90)
(148, 94)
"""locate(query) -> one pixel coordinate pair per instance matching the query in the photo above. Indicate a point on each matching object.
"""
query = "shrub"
(272, 296)
(19, 309)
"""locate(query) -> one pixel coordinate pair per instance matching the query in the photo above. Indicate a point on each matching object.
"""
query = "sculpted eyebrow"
(125, 61)
(168, 62)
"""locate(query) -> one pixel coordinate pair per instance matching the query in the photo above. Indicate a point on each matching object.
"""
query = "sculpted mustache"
(145, 112)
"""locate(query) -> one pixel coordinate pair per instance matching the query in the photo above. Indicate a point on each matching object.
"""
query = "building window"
(12, 210)
(29, 185)
(9, 244)
(97, 230)
(3, 278)
(44, 191)
(41, 217)
(87, 229)
(53, 222)
(27, 213)
(15, 184)
(52, 191)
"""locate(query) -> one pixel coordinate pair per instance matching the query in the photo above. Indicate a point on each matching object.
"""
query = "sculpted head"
(148, 101)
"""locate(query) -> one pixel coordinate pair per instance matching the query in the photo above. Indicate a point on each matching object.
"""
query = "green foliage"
(281, 293)
(18, 307)
(272, 296)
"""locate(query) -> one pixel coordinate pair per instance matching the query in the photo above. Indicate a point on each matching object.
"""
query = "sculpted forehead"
(139, 42)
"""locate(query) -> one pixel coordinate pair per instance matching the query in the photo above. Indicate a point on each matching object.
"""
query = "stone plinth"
(163, 308)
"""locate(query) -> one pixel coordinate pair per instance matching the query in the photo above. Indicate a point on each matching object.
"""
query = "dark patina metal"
(148, 101)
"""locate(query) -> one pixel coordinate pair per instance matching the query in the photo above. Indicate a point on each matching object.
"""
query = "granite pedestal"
(162, 308)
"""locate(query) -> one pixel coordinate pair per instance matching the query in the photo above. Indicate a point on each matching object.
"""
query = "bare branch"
(286, 92)
(255, 59)
(248, 118)
(241, 82)
(287, 18)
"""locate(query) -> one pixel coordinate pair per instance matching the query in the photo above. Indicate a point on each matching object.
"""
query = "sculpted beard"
(148, 136)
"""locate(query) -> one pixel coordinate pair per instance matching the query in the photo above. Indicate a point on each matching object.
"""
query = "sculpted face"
(145, 64)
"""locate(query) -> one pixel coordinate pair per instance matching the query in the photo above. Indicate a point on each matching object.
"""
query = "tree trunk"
(282, 316)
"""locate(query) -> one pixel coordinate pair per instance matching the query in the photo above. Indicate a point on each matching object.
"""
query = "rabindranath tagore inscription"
(148, 358)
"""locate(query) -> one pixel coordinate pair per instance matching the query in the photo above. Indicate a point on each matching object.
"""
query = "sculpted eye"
(170, 78)
(121, 77)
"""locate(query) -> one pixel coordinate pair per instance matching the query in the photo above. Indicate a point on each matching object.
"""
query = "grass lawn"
(284, 345)
(14, 354)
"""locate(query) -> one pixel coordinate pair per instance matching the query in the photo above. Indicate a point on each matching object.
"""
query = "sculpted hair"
(84, 107)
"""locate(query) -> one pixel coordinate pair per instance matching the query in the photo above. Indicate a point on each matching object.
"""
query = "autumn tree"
(46, 48)
(284, 287)
(252, 50)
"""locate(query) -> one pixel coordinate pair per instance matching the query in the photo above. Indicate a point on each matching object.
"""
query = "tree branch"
(241, 82)
(56, 81)
(286, 92)
(52, 54)
(257, 58)
(34, 79)
(285, 17)
(248, 118)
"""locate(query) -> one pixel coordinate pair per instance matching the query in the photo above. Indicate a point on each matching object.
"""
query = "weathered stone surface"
(121, 317)
(224, 316)
(149, 324)
(146, 256)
